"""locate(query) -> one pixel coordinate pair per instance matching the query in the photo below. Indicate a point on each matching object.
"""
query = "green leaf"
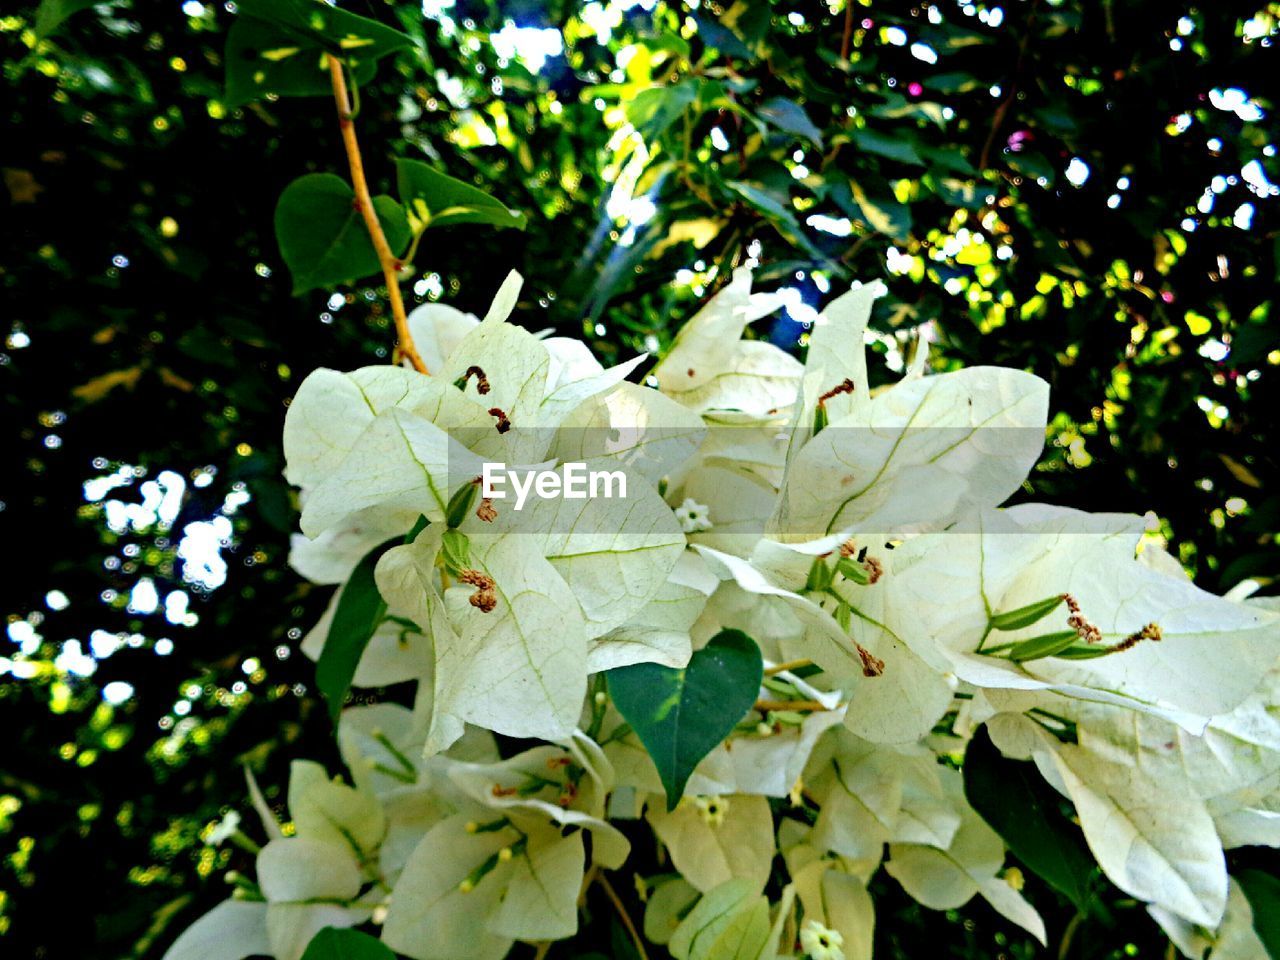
(682, 715)
(456, 548)
(435, 199)
(901, 149)
(655, 109)
(1047, 645)
(1014, 800)
(790, 116)
(1026, 616)
(359, 612)
(882, 212)
(280, 46)
(779, 215)
(1262, 890)
(1033, 165)
(51, 13)
(714, 34)
(334, 944)
(322, 236)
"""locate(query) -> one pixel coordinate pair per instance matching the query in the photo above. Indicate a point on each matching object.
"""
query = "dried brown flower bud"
(845, 386)
(486, 511)
(874, 569)
(484, 599)
(872, 666)
(482, 382)
(503, 423)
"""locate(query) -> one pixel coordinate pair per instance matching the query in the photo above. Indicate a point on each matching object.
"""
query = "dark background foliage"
(151, 337)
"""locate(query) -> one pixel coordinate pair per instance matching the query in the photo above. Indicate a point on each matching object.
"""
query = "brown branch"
(997, 118)
(848, 30)
(622, 913)
(364, 203)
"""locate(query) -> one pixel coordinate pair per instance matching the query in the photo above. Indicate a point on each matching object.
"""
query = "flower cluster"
(856, 536)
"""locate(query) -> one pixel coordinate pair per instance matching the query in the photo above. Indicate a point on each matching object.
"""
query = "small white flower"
(821, 943)
(225, 830)
(694, 516)
(712, 809)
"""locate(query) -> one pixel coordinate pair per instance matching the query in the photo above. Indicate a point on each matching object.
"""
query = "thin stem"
(622, 914)
(1064, 947)
(364, 203)
(788, 665)
(848, 30)
(802, 706)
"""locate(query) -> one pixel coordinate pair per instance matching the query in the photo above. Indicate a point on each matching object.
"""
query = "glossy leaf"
(1014, 800)
(360, 610)
(51, 13)
(435, 199)
(1262, 890)
(280, 47)
(682, 715)
(333, 943)
(789, 116)
(322, 236)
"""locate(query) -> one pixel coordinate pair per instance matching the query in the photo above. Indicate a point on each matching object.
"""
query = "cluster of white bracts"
(747, 466)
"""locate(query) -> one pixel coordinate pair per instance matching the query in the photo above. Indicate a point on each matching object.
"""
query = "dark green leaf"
(280, 46)
(1262, 890)
(334, 944)
(778, 214)
(322, 236)
(882, 212)
(790, 116)
(51, 13)
(1033, 165)
(897, 148)
(438, 200)
(720, 37)
(1016, 802)
(682, 715)
(655, 109)
(360, 609)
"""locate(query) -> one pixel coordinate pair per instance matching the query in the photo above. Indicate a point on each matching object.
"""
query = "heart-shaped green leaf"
(682, 715)
(322, 235)
(439, 200)
(332, 943)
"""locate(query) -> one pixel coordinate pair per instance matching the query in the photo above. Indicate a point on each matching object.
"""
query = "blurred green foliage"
(1080, 189)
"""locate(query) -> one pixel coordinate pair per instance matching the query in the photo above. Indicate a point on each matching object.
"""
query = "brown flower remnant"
(486, 511)
(568, 794)
(482, 382)
(845, 386)
(503, 424)
(1079, 622)
(485, 598)
(1151, 631)
(849, 549)
(872, 666)
(874, 570)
